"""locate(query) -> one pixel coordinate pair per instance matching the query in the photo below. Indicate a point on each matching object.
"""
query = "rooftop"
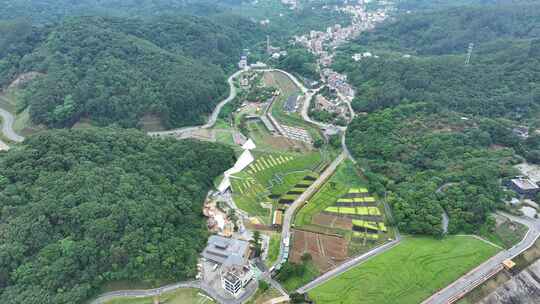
(225, 250)
(290, 103)
(525, 183)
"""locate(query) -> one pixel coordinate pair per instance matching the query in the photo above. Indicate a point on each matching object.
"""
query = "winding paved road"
(144, 292)
(251, 288)
(469, 281)
(7, 125)
(213, 117)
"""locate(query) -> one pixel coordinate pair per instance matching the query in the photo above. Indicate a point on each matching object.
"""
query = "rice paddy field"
(411, 272)
(270, 176)
(338, 185)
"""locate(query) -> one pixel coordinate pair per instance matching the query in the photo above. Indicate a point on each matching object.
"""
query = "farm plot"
(410, 272)
(332, 221)
(336, 188)
(270, 177)
(268, 142)
(345, 207)
(326, 250)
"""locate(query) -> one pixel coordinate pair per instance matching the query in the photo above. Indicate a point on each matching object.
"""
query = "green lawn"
(294, 282)
(410, 272)
(180, 296)
(222, 124)
(273, 249)
(337, 186)
(224, 137)
(506, 235)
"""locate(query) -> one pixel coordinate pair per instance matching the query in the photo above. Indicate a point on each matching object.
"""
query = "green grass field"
(180, 296)
(224, 137)
(410, 272)
(337, 186)
(273, 249)
(294, 282)
(271, 173)
(506, 234)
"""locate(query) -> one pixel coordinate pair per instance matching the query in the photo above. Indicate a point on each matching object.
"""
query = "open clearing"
(180, 296)
(410, 272)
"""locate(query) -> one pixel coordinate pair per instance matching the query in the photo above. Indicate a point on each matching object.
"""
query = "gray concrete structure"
(226, 251)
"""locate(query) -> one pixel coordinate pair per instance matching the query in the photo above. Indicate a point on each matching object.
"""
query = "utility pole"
(469, 53)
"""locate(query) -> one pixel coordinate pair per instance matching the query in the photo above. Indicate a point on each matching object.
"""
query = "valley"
(286, 152)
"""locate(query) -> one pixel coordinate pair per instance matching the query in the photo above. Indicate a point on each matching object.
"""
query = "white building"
(243, 63)
(233, 256)
(235, 277)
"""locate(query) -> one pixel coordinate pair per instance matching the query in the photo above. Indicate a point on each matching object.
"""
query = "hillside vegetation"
(82, 208)
(438, 133)
(115, 70)
(502, 79)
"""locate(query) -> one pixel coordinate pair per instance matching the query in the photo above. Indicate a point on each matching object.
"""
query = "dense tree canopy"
(438, 134)
(115, 70)
(502, 79)
(431, 161)
(81, 208)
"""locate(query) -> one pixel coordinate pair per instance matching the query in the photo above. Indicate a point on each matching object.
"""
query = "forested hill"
(43, 11)
(437, 133)
(450, 31)
(502, 79)
(115, 70)
(81, 208)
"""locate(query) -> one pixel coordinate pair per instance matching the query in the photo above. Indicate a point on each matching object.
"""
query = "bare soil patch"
(326, 250)
(332, 221)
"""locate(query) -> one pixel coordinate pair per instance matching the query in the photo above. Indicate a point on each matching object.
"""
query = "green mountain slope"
(435, 123)
(82, 208)
(115, 70)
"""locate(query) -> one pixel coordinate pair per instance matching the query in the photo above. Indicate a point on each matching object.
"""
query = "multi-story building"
(233, 256)
(235, 276)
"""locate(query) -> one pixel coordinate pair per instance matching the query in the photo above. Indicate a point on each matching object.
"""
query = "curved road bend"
(469, 281)
(144, 292)
(251, 288)
(7, 125)
(213, 117)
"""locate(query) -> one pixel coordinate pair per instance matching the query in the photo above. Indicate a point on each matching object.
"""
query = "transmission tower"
(469, 53)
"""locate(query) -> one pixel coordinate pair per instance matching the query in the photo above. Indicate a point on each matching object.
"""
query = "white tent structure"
(245, 159)
(249, 145)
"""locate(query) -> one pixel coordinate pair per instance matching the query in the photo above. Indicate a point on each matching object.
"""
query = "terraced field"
(271, 176)
(410, 272)
(338, 185)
